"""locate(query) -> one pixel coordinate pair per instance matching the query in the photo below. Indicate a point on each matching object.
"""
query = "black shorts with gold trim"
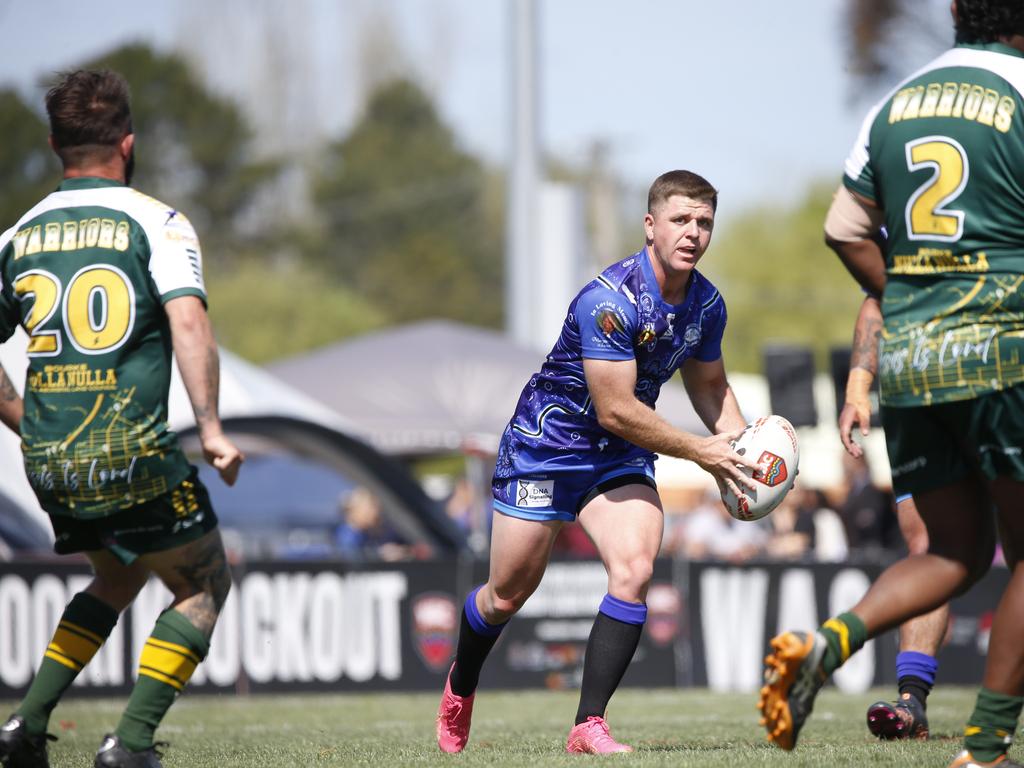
(179, 517)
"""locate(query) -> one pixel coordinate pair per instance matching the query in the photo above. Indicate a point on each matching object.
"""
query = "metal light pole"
(521, 227)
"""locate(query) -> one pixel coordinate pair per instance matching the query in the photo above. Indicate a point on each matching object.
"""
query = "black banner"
(334, 626)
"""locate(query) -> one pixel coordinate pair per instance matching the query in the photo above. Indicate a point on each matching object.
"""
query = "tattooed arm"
(11, 406)
(199, 363)
(863, 367)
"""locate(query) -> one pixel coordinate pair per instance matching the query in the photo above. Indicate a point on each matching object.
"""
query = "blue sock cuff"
(628, 613)
(476, 621)
(917, 664)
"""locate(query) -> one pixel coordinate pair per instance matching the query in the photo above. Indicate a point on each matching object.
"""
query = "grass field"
(667, 727)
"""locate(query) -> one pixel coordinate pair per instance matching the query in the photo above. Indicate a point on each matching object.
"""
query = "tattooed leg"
(198, 576)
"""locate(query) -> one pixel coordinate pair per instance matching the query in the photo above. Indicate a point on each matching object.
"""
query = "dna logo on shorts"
(535, 493)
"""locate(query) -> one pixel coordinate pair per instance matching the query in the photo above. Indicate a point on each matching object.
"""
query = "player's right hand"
(717, 456)
(854, 413)
(224, 456)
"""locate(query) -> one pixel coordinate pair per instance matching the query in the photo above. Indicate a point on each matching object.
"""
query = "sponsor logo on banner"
(434, 627)
(535, 493)
(664, 609)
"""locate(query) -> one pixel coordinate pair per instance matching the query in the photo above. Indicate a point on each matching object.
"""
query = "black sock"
(915, 686)
(610, 648)
(476, 638)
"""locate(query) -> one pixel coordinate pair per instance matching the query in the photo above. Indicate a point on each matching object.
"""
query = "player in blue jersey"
(582, 442)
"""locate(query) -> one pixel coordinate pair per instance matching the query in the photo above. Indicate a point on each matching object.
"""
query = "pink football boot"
(453, 718)
(592, 738)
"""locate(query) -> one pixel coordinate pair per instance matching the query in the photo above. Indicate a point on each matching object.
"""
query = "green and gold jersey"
(86, 273)
(943, 156)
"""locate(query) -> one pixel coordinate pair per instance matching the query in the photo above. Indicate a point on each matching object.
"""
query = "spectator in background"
(867, 511)
(463, 504)
(363, 534)
(572, 541)
(792, 533)
(710, 532)
(829, 543)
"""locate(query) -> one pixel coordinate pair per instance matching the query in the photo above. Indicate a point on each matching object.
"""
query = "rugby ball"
(771, 442)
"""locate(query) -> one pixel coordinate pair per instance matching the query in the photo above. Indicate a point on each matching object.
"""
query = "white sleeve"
(176, 262)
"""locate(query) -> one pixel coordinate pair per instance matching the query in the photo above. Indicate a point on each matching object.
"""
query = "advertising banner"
(333, 626)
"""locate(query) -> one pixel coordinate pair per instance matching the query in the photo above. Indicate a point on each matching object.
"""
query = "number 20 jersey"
(86, 272)
(943, 155)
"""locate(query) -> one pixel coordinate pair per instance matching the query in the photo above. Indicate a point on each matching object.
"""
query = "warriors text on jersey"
(86, 273)
(943, 155)
(620, 315)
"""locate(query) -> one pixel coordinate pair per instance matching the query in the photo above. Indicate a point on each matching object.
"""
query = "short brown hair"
(684, 183)
(90, 111)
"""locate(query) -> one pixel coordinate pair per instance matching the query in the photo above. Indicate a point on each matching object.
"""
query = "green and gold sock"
(845, 635)
(84, 626)
(169, 658)
(990, 730)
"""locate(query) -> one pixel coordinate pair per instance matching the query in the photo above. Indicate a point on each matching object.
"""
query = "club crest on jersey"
(434, 626)
(771, 469)
(646, 336)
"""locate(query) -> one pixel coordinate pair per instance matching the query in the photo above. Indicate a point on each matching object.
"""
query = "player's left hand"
(855, 413)
(224, 456)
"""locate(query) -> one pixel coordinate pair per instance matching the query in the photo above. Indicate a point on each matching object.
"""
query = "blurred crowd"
(854, 520)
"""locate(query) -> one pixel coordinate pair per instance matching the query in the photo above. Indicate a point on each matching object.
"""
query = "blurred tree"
(263, 312)
(28, 169)
(408, 219)
(888, 38)
(192, 146)
(781, 283)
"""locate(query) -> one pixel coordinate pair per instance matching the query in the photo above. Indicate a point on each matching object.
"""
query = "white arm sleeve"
(176, 262)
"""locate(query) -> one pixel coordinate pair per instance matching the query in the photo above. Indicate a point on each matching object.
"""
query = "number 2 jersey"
(620, 315)
(86, 273)
(943, 155)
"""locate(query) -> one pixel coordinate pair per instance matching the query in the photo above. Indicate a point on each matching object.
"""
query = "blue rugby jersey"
(619, 315)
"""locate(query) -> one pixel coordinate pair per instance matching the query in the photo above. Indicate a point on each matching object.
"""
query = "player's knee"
(504, 602)
(630, 578)
(973, 562)
(917, 540)
(502, 607)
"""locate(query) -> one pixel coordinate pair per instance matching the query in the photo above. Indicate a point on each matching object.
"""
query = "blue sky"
(756, 96)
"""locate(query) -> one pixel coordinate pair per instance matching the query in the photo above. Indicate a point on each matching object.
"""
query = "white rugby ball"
(771, 442)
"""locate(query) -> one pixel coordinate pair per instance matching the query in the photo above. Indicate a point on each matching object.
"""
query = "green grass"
(667, 727)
